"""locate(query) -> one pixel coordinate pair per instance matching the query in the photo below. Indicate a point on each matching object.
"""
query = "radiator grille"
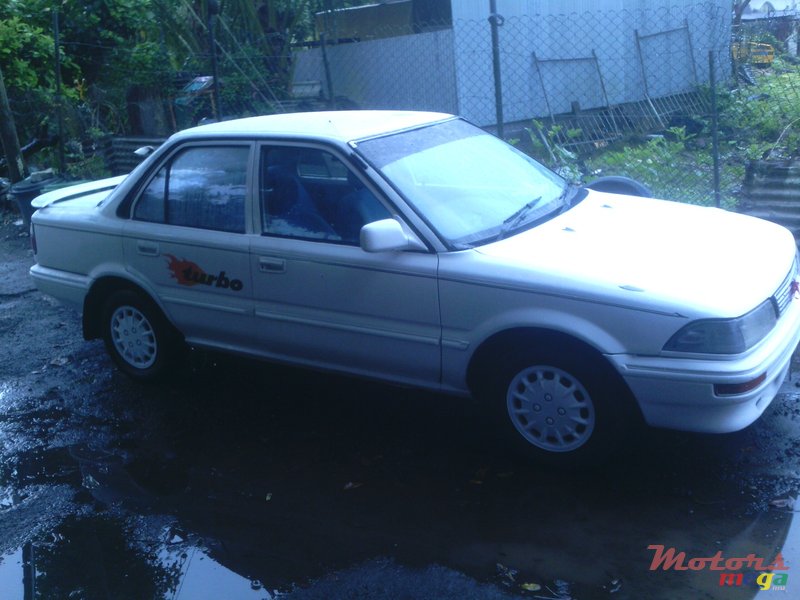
(783, 295)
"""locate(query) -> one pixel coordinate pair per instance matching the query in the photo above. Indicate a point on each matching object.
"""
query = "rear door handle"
(147, 248)
(268, 264)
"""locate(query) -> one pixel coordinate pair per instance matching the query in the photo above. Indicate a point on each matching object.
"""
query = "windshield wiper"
(516, 217)
(572, 195)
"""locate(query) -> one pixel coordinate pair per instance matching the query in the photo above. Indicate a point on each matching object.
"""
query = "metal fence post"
(712, 80)
(213, 11)
(327, 65)
(496, 21)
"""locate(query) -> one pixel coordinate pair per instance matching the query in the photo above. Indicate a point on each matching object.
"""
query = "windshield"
(468, 185)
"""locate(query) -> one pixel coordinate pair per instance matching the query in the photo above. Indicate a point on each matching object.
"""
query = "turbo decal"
(187, 273)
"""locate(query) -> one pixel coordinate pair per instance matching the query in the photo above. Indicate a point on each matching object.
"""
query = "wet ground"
(244, 480)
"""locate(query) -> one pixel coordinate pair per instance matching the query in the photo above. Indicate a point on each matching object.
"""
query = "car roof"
(342, 126)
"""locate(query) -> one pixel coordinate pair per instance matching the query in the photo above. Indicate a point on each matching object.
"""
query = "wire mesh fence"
(604, 92)
(622, 92)
(676, 97)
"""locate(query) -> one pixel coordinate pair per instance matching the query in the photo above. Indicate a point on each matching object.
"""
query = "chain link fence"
(676, 98)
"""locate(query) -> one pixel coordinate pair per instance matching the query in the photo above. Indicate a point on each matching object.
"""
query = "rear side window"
(203, 187)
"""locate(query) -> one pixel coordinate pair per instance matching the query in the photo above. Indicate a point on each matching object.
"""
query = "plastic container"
(5, 185)
(23, 192)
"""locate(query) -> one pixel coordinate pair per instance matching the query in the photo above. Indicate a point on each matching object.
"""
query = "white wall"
(407, 72)
(571, 29)
(451, 70)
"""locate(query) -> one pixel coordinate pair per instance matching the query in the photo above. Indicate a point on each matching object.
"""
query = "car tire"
(140, 340)
(563, 407)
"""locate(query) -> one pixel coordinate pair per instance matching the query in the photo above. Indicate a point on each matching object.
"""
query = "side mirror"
(143, 151)
(388, 235)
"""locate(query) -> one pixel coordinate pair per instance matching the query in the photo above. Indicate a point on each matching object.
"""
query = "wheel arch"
(493, 348)
(99, 292)
(610, 416)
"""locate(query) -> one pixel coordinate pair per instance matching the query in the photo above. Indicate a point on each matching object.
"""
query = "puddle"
(91, 555)
(7, 499)
(791, 552)
(202, 578)
(11, 576)
(5, 397)
(212, 487)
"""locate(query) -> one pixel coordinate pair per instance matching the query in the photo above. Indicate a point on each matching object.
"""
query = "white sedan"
(416, 248)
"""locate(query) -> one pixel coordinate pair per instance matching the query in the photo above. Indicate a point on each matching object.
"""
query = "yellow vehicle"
(756, 53)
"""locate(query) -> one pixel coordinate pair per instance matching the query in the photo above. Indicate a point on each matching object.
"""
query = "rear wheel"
(138, 337)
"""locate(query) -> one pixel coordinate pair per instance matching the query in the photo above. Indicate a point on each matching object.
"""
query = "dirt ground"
(239, 479)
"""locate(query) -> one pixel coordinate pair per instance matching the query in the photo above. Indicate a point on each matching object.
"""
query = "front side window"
(309, 194)
(202, 187)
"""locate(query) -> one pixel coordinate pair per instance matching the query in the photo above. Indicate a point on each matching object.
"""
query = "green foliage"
(760, 121)
(674, 165)
(25, 52)
(109, 48)
(763, 114)
(672, 168)
(545, 146)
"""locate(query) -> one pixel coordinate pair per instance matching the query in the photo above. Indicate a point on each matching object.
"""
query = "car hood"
(663, 255)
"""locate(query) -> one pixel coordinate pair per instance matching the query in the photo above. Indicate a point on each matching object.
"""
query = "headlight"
(725, 336)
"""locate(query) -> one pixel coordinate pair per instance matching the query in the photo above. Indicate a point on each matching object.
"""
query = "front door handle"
(147, 248)
(269, 264)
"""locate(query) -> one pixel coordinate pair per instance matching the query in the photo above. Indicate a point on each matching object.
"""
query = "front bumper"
(678, 393)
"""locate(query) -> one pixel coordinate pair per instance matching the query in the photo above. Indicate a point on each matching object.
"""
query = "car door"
(322, 300)
(187, 240)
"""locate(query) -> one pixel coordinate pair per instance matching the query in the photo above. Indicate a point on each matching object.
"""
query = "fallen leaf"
(531, 587)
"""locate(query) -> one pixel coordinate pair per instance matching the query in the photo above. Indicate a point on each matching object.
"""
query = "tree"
(8, 136)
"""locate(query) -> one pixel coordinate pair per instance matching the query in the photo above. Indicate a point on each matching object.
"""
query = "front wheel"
(550, 408)
(563, 408)
(138, 337)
